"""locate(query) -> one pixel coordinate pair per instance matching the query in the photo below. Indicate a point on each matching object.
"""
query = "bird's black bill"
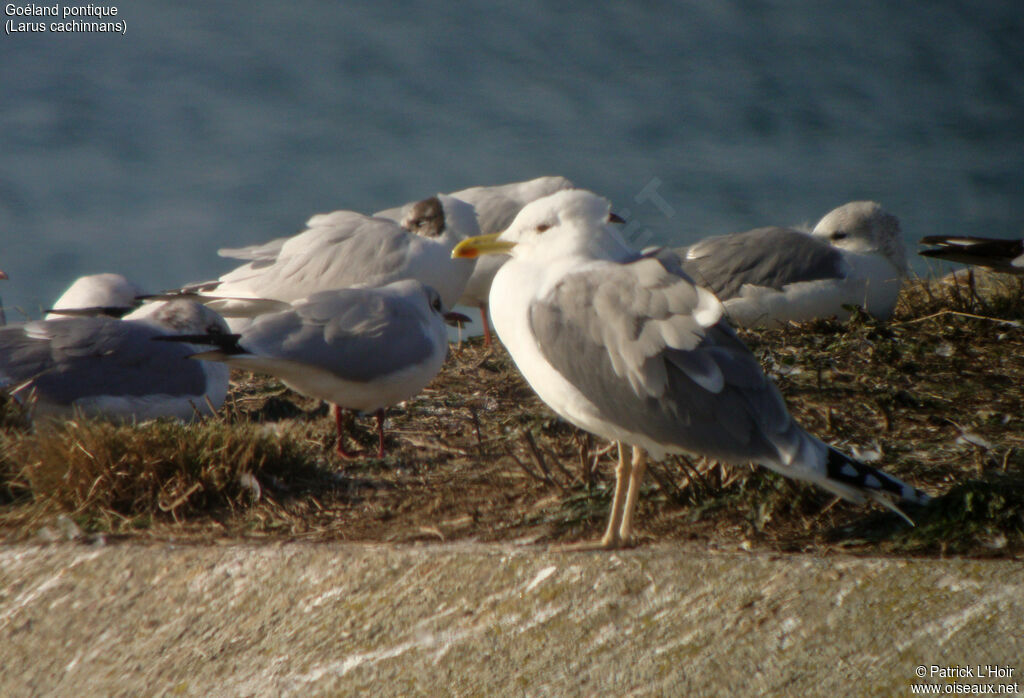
(456, 319)
(217, 340)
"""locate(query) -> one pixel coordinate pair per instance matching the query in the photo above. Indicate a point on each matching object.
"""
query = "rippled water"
(212, 124)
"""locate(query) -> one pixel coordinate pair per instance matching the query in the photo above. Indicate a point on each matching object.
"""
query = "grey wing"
(494, 211)
(647, 348)
(497, 206)
(341, 251)
(357, 334)
(392, 214)
(266, 251)
(69, 359)
(769, 257)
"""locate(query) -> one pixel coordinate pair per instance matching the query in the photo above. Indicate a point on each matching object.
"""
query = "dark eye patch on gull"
(425, 218)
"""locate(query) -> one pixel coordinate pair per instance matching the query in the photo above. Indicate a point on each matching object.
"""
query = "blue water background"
(213, 124)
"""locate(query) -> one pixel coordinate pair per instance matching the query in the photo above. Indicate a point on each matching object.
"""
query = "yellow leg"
(611, 539)
(636, 477)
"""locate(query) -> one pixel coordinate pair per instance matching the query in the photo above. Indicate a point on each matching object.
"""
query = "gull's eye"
(839, 235)
(435, 303)
(542, 227)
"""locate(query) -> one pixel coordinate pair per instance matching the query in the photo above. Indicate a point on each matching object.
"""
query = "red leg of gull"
(380, 432)
(341, 423)
(487, 327)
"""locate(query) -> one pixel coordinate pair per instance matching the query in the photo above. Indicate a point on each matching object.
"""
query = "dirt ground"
(935, 398)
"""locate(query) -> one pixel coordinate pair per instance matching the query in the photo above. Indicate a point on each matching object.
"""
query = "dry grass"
(938, 393)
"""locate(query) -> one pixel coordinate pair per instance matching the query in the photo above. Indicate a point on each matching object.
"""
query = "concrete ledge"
(313, 619)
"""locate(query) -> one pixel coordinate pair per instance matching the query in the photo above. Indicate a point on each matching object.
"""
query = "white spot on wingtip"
(709, 309)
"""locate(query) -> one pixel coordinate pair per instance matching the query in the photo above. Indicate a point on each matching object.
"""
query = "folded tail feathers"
(1000, 254)
(856, 481)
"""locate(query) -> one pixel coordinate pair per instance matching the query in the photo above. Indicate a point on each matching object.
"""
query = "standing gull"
(108, 367)
(629, 348)
(344, 249)
(360, 349)
(854, 257)
(496, 207)
(1001, 255)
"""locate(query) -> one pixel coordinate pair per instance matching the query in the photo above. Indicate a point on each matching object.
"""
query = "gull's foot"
(605, 543)
(346, 455)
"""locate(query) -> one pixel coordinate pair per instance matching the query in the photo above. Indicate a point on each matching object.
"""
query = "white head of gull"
(629, 348)
(97, 294)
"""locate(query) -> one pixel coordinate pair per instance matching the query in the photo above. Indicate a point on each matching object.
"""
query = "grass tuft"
(116, 477)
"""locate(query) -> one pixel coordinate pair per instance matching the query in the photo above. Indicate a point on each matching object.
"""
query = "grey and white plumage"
(98, 294)
(855, 256)
(360, 349)
(109, 367)
(628, 347)
(345, 249)
(1002, 255)
(496, 207)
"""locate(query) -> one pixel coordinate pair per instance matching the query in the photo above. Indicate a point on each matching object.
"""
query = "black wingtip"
(228, 343)
(846, 470)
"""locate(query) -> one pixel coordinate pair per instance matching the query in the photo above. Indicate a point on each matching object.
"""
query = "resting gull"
(360, 349)
(998, 254)
(626, 346)
(854, 257)
(496, 207)
(109, 367)
(344, 249)
(97, 294)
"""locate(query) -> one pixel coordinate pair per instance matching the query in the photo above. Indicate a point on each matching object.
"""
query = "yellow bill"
(471, 248)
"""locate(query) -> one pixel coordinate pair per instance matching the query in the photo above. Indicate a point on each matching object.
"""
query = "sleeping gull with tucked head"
(104, 366)
(345, 249)
(360, 349)
(767, 276)
(496, 207)
(626, 346)
(97, 294)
